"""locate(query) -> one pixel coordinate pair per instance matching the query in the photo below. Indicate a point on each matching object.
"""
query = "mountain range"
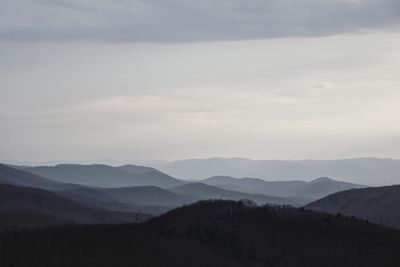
(129, 190)
(314, 189)
(114, 184)
(129, 186)
(369, 171)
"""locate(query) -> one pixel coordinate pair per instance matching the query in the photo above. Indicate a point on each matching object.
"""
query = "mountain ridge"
(367, 170)
(205, 191)
(375, 204)
(25, 207)
(101, 175)
(313, 189)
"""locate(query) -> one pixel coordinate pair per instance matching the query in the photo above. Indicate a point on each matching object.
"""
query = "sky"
(175, 79)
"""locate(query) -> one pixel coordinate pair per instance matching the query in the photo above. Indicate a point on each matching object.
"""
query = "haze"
(177, 79)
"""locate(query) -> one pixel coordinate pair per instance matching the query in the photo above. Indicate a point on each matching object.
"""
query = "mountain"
(128, 199)
(103, 175)
(22, 207)
(12, 176)
(90, 196)
(203, 191)
(151, 176)
(371, 171)
(306, 190)
(324, 186)
(211, 233)
(154, 199)
(150, 196)
(135, 169)
(255, 186)
(379, 205)
(97, 198)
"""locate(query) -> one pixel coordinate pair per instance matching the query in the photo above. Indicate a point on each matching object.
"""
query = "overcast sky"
(173, 79)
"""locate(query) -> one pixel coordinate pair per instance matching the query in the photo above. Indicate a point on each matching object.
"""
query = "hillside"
(150, 196)
(154, 199)
(151, 176)
(312, 190)
(255, 185)
(204, 191)
(12, 176)
(211, 233)
(97, 198)
(22, 207)
(379, 205)
(104, 176)
(324, 186)
(94, 197)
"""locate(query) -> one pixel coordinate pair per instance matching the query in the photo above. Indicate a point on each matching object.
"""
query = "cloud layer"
(330, 97)
(186, 21)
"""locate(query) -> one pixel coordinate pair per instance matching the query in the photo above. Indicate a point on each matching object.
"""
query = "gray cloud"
(330, 97)
(183, 20)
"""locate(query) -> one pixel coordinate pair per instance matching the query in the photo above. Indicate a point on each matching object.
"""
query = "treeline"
(210, 233)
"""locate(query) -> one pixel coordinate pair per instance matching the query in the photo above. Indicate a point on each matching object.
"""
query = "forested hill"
(211, 233)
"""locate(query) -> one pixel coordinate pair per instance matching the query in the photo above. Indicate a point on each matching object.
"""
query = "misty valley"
(131, 215)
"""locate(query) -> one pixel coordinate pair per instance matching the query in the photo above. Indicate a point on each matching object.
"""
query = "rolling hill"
(211, 233)
(151, 176)
(103, 175)
(312, 190)
(97, 198)
(203, 191)
(324, 186)
(90, 196)
(22, 207)
(379, 205)
(12, 176)
(150, 196)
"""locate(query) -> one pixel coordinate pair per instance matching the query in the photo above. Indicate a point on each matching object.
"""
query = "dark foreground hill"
(379, 205)
(211, 233)
(25, 207)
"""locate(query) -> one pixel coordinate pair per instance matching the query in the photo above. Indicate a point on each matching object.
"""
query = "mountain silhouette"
(104, 176)
(312, 190)
(12, 176)
(204, 191)
(379, 205)
(22, 207)
(211, 233)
